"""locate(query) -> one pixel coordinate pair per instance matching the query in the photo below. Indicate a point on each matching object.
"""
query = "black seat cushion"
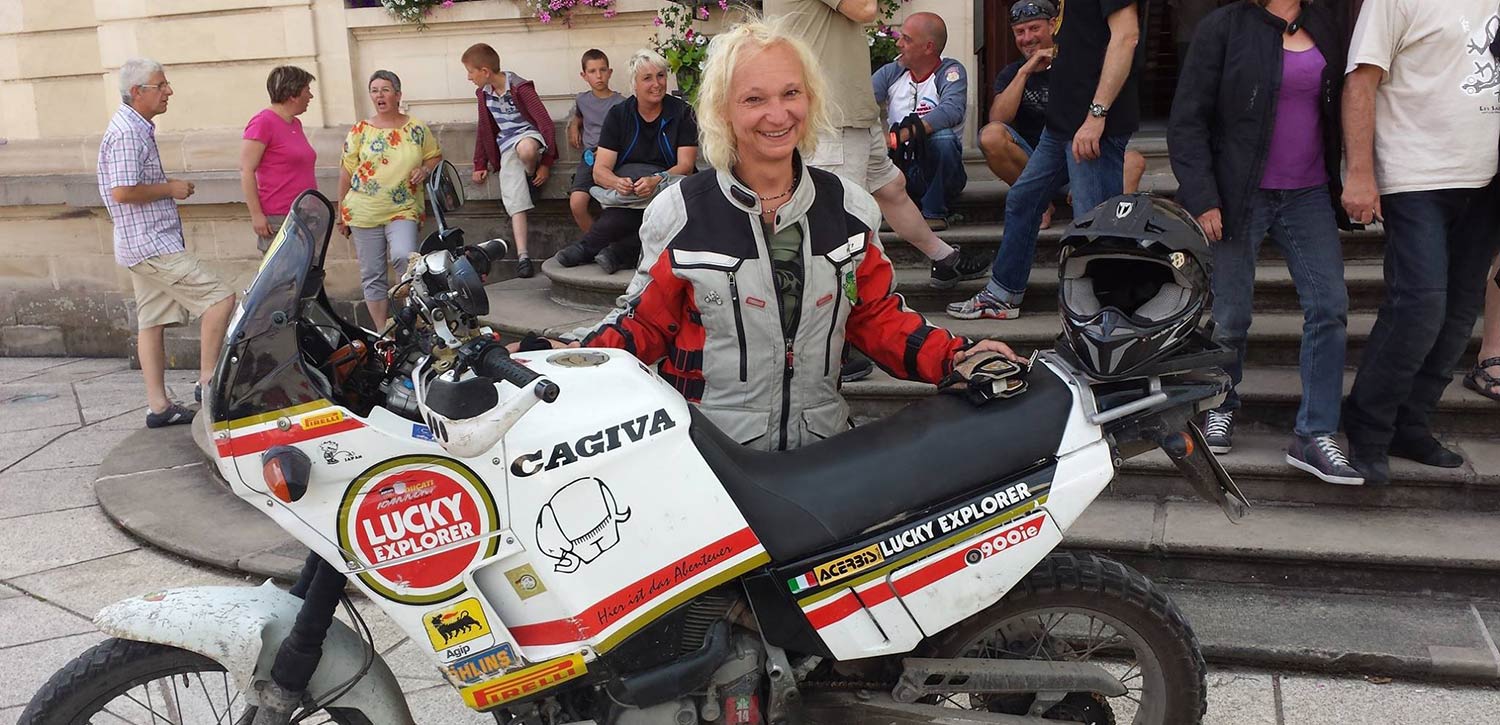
(805, 500)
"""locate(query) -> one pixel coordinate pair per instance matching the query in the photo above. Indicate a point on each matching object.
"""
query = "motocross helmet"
(1134, 283)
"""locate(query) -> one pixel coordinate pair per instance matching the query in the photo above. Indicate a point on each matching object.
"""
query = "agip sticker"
(459, 630)
(418, 522)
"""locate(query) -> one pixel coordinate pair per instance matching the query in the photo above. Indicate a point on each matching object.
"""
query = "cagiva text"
(592, 444)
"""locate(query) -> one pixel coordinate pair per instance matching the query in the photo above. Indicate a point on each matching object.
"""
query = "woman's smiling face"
(768, 104)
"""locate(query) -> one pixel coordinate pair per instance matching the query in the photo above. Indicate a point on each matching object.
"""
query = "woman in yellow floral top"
(387, 159)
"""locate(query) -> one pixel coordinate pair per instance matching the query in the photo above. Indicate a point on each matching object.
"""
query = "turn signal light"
(286, 470)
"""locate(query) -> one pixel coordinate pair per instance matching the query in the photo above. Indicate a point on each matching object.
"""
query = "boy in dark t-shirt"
(584, 123)
(1091, 112)
(1019, 111)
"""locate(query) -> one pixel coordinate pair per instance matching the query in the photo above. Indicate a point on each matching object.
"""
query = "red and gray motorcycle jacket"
(705, 305)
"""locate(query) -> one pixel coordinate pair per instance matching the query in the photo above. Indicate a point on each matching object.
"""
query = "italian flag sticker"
(806, 581)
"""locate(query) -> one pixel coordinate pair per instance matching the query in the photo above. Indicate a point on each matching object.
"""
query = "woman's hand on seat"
(988, 346)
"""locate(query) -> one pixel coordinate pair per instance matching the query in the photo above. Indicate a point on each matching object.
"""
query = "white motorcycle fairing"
(240, 626)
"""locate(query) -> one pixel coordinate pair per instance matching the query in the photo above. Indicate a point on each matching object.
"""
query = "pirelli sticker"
(521, 683)
(322, 419)
(840, 568)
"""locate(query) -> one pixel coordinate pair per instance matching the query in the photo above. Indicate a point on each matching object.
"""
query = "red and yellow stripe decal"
(317, 419)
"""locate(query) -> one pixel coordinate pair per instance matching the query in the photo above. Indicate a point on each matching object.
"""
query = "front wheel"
(1080, 607)
(121, 680)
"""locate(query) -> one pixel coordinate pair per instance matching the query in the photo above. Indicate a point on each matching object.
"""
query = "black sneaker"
(857, 367)
(1372, 462)
(1218, 431)
(607, 262)
(1426, 451)
(1322, 457)
(524, 268)
(947, 272)
(198, 393)
(573, 255)
(175, 414)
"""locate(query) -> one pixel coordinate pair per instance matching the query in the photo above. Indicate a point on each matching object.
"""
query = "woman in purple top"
(1254, 142)
(276, 160)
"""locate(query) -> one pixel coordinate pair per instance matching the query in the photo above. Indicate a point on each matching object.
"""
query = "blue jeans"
(1300, 222)
(1437, 254)
(940, 177)
(1050, 167)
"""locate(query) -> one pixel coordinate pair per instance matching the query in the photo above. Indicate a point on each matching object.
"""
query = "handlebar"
(494, 361)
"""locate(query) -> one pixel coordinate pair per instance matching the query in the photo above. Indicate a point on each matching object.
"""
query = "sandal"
(1480, 381)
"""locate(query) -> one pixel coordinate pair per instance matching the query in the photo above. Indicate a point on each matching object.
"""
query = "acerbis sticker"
(461, 623)
(403, 517)
(840, 568)
(484, 665)
(521, 683)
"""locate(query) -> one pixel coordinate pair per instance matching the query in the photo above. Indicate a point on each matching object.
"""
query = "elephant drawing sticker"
(580, 522)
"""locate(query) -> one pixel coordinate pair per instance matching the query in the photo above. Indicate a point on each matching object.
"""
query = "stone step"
(1363, 245)
(587, 285)
(520, 307)
(1258, 466)
(1269, 396)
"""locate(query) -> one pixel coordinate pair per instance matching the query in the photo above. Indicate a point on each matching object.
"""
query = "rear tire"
(104, 676)
(1086, 583)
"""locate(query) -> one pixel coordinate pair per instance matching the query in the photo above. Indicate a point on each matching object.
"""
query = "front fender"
(241, 628)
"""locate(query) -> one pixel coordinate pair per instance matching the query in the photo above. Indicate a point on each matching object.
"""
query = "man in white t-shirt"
(934, 89)
(1422, 132)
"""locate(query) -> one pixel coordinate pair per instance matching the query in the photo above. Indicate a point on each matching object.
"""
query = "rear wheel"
(121, 680)
(1084, 608)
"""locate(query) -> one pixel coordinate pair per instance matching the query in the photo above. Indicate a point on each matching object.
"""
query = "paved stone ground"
(61, 560)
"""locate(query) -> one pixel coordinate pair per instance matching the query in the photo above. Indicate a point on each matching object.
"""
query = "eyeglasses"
(161, 85)
(1021, 13)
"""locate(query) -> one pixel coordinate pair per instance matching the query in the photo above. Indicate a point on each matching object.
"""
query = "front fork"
(320, 587)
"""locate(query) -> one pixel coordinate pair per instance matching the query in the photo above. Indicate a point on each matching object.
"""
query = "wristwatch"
(1098, 111)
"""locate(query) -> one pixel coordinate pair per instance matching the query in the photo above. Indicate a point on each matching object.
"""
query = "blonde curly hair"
(715, 135)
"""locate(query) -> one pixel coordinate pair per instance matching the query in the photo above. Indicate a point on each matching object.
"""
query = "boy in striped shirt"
(514, 139)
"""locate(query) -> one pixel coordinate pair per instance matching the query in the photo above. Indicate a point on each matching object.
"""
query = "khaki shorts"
(171, 289)
(857, 154)
(515, 190)
(264, 243)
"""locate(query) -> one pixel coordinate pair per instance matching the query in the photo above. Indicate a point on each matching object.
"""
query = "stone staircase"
(1431, 532)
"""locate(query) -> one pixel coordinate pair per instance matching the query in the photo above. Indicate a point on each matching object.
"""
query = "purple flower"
(610, 13)
(723, 4)
(656, 21)
(544, 16)
(447, 3)
(702, 13)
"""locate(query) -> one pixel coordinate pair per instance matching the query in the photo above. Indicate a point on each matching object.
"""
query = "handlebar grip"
(495, 362)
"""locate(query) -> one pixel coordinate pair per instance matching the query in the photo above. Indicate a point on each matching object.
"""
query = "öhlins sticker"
(840, 568)
(521, 683)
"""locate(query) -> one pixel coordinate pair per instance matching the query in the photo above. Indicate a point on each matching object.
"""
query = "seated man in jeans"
(935, 88)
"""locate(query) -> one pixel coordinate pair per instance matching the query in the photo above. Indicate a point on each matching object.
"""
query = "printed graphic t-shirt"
(286, 167)
(908, 95)
(1031, 116)
(1437, 110)
(1081, 42)
(380, 162)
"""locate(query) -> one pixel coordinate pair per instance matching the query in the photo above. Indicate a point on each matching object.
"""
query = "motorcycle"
(572, 542)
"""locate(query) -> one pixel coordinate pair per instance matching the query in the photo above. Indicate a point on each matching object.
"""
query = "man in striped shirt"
(170, 284)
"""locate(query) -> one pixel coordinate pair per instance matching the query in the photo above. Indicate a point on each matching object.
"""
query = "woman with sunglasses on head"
(1255, 146)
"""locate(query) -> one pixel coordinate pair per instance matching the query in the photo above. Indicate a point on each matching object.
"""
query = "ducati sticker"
(418, 523)
(840, 568)
(525, 682)
(459, 624)
(485, 665)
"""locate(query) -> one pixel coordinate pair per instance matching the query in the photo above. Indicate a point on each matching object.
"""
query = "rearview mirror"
(446, 188)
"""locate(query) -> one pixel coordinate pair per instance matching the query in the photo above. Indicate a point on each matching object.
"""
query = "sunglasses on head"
(1029, 11)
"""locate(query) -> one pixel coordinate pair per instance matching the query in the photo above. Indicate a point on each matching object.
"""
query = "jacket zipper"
(739, 327)
(838, 298)
(788, 335)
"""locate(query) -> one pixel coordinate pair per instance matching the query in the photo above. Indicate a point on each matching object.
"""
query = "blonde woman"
(764, 265)
(387, 159)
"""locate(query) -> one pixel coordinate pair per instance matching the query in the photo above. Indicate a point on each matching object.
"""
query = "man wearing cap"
(1019, 111)
(1091, 113)
(934, 89)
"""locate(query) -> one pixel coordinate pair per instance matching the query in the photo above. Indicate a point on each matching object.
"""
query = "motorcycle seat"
(801, 501)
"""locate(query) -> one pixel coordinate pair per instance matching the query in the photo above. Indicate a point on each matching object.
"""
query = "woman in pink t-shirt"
(276, 160)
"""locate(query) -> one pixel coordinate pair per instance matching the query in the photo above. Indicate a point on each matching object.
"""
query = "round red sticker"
(409, 519)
